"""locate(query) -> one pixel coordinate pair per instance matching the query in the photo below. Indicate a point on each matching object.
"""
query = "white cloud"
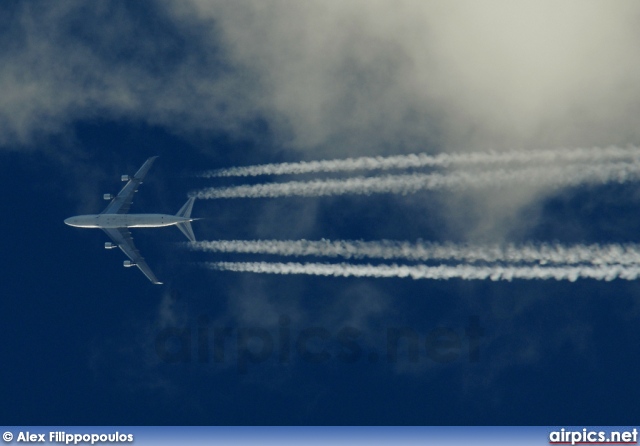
(376, 76)
(352, 78)
(335, 78)
(73, 61)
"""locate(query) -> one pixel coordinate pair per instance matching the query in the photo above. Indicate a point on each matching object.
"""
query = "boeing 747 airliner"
(116, 221)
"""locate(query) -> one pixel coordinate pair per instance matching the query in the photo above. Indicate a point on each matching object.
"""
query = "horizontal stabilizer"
(186, 229)
(185, 210)
(185, 226)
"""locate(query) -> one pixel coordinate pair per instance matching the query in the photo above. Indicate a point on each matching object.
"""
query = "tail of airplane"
(185, 226)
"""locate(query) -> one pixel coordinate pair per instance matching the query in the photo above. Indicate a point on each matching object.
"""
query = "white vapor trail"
(627, 254)
(442, 272)
(423, 160)
(410, 183)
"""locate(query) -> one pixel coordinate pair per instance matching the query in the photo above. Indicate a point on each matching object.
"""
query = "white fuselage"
(125, 220)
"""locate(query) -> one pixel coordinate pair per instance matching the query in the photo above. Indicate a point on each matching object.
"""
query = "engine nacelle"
(128, 264)
(107, 197)
(125, 178)
(109, 245)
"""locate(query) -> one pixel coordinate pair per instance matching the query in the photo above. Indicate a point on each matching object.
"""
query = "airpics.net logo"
(587, 436)
(249, 346)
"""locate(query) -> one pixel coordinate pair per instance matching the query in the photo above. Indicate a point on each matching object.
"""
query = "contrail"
(442, 272)
(424, 160)
(555, 176)
(627, 254)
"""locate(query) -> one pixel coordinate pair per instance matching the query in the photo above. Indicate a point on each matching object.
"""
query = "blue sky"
(91, 91)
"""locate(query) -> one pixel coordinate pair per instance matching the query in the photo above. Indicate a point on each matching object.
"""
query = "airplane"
(116, 221)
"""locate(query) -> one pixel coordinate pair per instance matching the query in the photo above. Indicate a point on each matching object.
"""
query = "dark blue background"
(79, 330)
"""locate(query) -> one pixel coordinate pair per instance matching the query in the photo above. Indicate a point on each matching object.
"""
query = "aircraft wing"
(122, 237)
(122, 203)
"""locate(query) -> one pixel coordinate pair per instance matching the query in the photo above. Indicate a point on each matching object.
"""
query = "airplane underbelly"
(148, 225)
(136, 221)
(117, 222)
(150, 221)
